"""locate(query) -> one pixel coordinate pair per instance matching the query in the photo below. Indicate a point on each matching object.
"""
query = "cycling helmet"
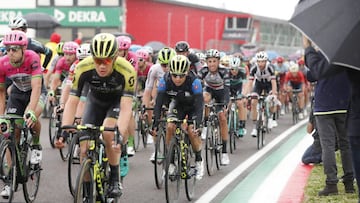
(165, 55)
(15, 37)
(142, 53)
(70, 47)
(200, 55)
(225, 60)
(83, 51)
(103, 45)
(301, 62)
(124, 42)
(149, 49)
(294, 68)
(59, 48)
(182, 46)
(18, 22)
(280, 59)
(261, 56)
(212, 53)
(179, 64)
(235, 62)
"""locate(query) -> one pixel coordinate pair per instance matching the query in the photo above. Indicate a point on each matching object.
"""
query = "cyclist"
(156, 72)
(184, 91)
(217, 83)
(62, 68)
(111, 81)
(237, 80)
(280, 71)
(264, 75)
(124, 43)
(202, 58)
(295, 80)
(225, 61)
(183, 48)
(50, 70)
(23, 68)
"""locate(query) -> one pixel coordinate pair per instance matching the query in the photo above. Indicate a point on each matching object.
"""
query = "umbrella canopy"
(41, 21)
(155, 45)
(333, 26)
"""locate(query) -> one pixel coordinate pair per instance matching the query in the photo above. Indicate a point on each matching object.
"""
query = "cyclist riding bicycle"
(264, 75)
(111, 81)
(237, 80)
(280, 70)
(184, 91)
(23, 68)
(124, 43)
(295, 80)
(183, 48)
(50, 70)
(217, 83)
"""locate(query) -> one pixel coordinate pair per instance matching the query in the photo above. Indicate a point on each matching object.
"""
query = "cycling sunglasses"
(178, 75)
(13, 48)
(105, 61)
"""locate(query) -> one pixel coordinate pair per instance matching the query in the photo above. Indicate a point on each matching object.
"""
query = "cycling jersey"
(62, 68)
(155, 73)
(217, 80)
(53, 63)
(40, 49)
(131, 57)
(263, 76)
(188, 98)
(21, 76)
(141, 76)
(294, 79)
(121, 82)
(236, 82)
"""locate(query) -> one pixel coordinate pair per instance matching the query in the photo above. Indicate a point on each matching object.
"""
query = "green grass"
(316, 182)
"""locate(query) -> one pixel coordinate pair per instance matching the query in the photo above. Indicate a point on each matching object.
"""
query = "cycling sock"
(130, 141)
(198, 156)
(274, 116)
(114, 173)
(241, 124)
(224, 149)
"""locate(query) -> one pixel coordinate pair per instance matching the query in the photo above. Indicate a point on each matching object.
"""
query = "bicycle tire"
(209, 151)
(173, 181)
(260, 128)
(81, 192)
(231, 129)
(159, 164)
(234, 134)
(32, 179)
(65, 152)
(74, 165)
(8, 174)
(137, 136)
(190, 181)
(218, 147)
(52, 128)
(145, 131)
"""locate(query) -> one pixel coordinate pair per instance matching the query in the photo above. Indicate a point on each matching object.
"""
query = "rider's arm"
(125, 114)
(2, 98)
(35, 92)
(198, 101)
(149, 84)
(161, 96)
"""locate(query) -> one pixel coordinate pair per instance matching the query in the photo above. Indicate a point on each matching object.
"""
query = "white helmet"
(294, 68)
(18, 22)
(201, 56)
(235, 62)
(83, 51)
(261, 56)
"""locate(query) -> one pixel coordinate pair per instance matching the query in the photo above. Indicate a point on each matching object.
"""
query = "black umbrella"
(155, 45)
(41, 21)
(333, 25)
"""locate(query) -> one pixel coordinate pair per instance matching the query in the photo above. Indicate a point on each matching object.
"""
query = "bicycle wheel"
(85, 186)
(218, 147)
(8, 167)
(137, 136)
(231, 129)
(190, 181)
(172, 173)
(210, 151)
(260, 127)
(32, 179)
(144, 131)
(73, 163)
(65, 152)
(159, 165)
(53, 129)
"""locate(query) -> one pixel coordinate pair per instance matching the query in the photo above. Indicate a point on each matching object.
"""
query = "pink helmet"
(124, 42)
(15, 37)
(142, 53)
(70, 47)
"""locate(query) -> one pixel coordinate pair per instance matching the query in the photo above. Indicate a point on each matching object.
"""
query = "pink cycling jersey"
(131, 57)
(62, 66)
(21, 76)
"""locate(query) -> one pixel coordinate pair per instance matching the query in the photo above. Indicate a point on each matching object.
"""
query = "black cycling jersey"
(37, 47)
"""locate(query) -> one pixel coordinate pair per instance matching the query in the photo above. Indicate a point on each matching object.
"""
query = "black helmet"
(182, 46)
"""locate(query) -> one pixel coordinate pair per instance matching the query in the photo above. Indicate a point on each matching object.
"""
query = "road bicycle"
(142, 128)
(180, 164)
(233, 123)
(94, 176)
(295, 105)
(160, 154)
(50, 111)
(15, 156)
(213, 144)
(263, 117)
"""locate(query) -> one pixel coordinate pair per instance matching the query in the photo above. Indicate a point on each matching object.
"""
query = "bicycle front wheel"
(65, 152)
(210, 151)
(53, 129)
(172, 173)
(137, 136)
(218, 147)
(159, 165)
(190, 181)
(8, 167)
(33, 172)
(73, 163)
(85, 187)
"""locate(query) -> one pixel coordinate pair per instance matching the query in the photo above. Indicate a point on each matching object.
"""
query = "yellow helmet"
(179, 64)
(104, 45)
(165, 55)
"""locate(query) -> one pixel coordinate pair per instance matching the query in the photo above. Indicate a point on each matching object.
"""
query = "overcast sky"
(281, 9)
